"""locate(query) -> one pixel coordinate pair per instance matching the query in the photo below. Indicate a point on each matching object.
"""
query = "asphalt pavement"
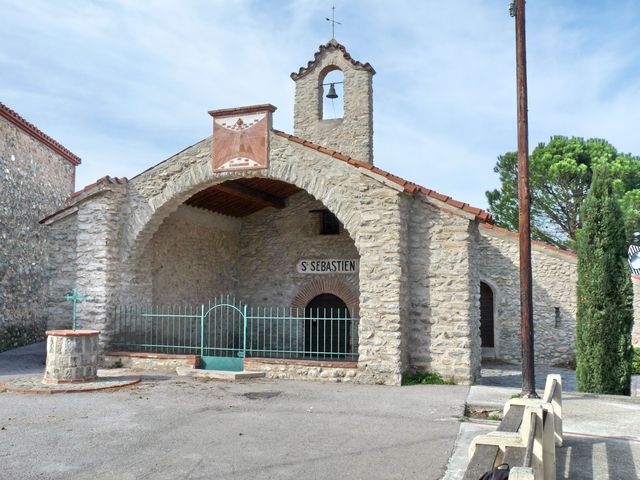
(170, 427)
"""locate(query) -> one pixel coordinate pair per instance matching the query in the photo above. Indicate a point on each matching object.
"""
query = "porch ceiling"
(244, 196)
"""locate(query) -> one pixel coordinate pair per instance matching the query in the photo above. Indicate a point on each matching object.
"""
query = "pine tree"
(605, 310)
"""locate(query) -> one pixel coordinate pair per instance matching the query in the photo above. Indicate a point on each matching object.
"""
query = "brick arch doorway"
(328, 328)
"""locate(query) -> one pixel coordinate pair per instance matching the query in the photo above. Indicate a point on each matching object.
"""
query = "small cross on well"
(74, 297)
(333, 22)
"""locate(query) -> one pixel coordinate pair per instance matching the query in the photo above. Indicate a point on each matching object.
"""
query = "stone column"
(382, 245)
(97, 257)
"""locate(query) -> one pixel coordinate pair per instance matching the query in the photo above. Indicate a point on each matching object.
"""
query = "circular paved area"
(33, 385)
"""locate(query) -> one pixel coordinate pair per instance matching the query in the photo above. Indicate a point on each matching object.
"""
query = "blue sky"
(125, 84)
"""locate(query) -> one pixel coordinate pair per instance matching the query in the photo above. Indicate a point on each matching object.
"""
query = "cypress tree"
(605, 310)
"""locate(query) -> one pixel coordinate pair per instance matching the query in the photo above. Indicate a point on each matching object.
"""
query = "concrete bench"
(525, 439)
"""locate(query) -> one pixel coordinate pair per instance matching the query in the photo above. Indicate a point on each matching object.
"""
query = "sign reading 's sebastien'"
(328, 266)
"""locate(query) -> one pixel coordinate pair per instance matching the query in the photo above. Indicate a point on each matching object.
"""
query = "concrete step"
(218, 374)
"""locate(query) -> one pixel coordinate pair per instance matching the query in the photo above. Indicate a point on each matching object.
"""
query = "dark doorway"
(486, 316)
(327, 328)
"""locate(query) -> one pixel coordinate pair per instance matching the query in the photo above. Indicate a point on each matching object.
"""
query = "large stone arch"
(153, 205)
(373, 213)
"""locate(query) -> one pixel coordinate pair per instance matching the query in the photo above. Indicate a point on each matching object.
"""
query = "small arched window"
(486, 316)
(332, 84)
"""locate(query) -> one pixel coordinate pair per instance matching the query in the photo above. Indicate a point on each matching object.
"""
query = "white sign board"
(328, 266)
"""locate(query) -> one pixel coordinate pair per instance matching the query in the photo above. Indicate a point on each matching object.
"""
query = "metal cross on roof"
(333, 22)
(74, 297)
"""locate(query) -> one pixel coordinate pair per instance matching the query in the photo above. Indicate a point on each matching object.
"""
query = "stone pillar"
(382, 245)
(72, 356)
(97, 258)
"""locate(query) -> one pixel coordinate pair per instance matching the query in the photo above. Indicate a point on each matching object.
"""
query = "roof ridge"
(409, 187)
(15, 118)
(70, 202)
(538, 243)
(331, 45)
(101, 181)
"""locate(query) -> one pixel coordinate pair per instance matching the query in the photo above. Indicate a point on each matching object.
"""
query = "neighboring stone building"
(303, 224)
(36, 175)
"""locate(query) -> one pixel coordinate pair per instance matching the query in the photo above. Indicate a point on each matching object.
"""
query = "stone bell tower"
(353, 133)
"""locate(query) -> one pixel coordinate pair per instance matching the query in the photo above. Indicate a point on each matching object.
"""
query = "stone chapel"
(298, 223)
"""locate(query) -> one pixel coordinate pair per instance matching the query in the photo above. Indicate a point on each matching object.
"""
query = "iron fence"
(226, 328)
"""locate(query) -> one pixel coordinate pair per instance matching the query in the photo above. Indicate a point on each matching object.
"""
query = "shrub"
(14, 335)
(426, 378)
(605, 312)
(635, 364)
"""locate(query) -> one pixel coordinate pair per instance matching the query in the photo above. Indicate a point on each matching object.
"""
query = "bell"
(332, 91)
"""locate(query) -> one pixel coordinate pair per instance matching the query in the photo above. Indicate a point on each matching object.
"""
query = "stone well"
(72, 356)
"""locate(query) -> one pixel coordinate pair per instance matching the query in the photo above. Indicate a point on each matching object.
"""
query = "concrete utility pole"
(516, 10)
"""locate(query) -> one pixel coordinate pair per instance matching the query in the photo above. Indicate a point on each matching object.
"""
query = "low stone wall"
(149, 361)
(304, 370)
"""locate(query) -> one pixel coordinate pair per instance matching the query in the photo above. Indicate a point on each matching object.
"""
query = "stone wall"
(444, 299)
(352, 134)
(370, 210)
(554, 286)
(63, 269)
(34, 181)
(193, 256)
(273, 241)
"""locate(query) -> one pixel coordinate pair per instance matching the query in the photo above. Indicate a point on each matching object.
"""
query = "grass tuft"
(426, 378)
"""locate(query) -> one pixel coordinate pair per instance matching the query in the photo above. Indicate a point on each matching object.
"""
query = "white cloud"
(126, 84)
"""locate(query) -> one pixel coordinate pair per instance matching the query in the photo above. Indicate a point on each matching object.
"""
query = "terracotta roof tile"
(409, 187)
(457, 204)
(331, 45)
(106, 180)
(37, 134)
(101, 181)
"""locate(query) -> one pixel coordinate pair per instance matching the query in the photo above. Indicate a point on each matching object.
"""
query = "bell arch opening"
(331, 89)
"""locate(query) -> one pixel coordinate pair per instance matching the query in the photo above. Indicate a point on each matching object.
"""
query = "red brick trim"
(73, 388)
(224, 112)
(331, 45)
(318, 286)
(37, 134)
(409, 187)
(72, 333)
(301, 363)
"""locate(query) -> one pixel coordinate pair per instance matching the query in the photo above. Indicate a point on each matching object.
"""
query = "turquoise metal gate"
(224, 337)
(223, 332)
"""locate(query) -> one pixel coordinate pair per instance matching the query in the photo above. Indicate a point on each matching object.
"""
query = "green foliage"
(14, 335)
(560, 174)
(605, 311)
(426, 378)
(635, 363)
(117, 364)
